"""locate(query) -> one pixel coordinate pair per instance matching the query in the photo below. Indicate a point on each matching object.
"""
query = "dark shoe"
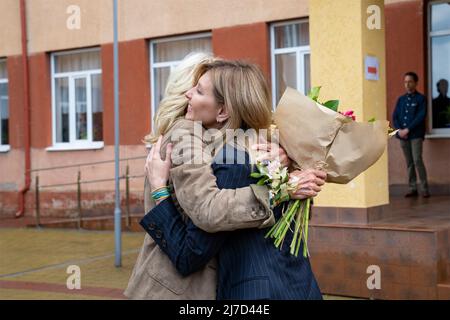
(426, 195)
(411, 194)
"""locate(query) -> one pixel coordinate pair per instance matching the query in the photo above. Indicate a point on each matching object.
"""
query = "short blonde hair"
(173, 105)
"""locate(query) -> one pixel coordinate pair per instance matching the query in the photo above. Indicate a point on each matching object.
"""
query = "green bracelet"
(160, 193)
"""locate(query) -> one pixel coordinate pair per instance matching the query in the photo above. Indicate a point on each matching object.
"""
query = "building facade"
(70, 77)
(56, 92)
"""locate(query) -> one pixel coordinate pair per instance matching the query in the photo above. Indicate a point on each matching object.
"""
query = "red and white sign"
(372, 68)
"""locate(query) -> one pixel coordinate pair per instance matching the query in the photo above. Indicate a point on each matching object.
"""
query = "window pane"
(176, 50)
(4, 113)
(307, 73)
(3, 70)
(97, 107)
(78, 61)
(440, 47)
(286, 75)
(62, 109)
(161, 76)
(292, 35)
(80, 109)
(440, 16)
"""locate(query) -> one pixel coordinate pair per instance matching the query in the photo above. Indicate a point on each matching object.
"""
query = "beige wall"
(47, 30)
(165, 17)
(9, 28)
(388, 2)
(52, 34)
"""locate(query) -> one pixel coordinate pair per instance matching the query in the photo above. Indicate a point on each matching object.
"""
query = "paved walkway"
(34, 262)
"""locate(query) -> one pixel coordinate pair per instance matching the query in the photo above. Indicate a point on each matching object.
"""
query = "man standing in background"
(409, 117)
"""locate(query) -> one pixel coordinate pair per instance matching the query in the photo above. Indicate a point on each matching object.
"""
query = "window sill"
(438, 136)
(76, 147)
(5, 148)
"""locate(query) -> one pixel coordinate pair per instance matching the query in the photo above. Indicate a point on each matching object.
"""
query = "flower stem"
(305, 245)
(297, 228)
(282, 233)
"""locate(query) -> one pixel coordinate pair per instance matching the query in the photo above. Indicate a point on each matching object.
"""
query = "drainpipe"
(26, 91)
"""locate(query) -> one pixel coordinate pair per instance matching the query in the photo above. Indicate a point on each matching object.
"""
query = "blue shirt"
(410, 112)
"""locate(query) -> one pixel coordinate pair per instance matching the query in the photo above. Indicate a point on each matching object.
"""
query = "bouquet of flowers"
(316, 135)
(277, 178)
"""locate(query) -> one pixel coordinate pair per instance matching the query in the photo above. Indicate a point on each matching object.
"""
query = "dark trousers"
(412, 150)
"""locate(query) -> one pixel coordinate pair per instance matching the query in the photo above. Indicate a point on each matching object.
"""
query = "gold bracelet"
(161, 199)
(158, 189)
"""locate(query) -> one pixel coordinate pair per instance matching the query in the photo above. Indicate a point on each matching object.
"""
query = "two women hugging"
(206, 217)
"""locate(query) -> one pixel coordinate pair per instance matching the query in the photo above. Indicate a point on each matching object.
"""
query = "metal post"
(117, 212)
(127, 193)
(38, 210)
(79, 199)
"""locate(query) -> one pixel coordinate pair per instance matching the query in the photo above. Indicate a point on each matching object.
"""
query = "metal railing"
(79, 182)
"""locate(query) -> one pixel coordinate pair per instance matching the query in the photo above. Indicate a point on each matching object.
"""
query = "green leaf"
(314, 93)
(372, 120)
(277, 197)
(256, 175)
(261, 182)
(332, 104)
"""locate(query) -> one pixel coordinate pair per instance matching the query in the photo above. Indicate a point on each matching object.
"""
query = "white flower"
(273, 167)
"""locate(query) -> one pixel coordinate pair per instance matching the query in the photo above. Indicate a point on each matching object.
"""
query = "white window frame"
(73, 143)
(440, 132)
(300, 52)
(172, 64)
(3, 147)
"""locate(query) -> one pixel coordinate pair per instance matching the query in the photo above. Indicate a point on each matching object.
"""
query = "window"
(77, 100)
(4, 107)
(165, 54)
(439, 67)
(290, 54)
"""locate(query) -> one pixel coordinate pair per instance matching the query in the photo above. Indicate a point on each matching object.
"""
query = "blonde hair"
(173, 105)
(243, 91)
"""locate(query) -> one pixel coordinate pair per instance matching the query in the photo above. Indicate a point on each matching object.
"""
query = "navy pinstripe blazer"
(249, 266)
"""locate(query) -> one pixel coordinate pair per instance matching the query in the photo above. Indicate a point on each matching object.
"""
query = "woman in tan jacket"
(154, 276)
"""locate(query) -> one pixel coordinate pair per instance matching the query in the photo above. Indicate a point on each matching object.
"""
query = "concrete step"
(443, 290)
(409, 261)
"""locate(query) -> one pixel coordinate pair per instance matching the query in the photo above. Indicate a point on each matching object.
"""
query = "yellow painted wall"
(340, 40)
(377, 184)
